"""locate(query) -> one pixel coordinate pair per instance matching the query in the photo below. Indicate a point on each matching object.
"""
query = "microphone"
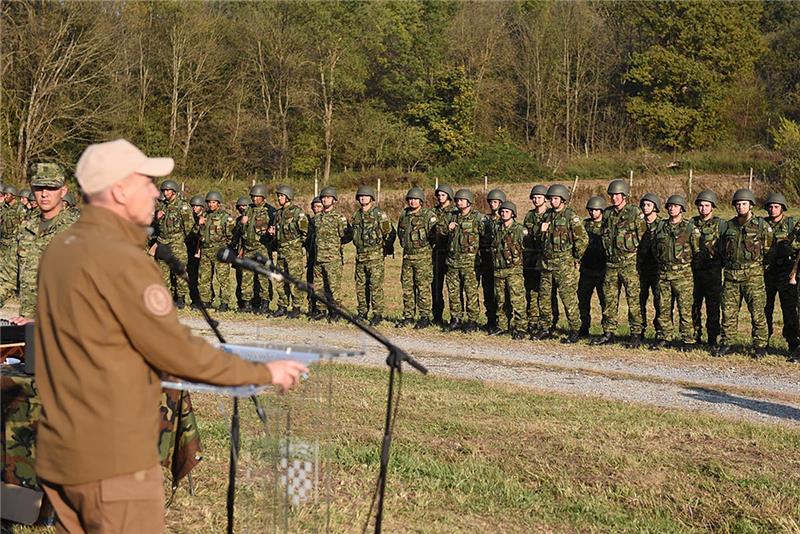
(164, 253)
(226, 255)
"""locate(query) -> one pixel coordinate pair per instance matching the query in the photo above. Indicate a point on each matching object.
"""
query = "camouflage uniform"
(674, 246)
(415, 229)
(462, 265)
(647, 266)
(707, 273)
(742, 248)
(215, 234)
(256, 240)
(332, 232)
(372, 233)
(592, 273)
(563, 244)
(11, 218)
(508, 243)
(487, 272)
(622, 232)
(778, 264)
(173, 229)
(441, 250)
(532, 270)
(291, 231)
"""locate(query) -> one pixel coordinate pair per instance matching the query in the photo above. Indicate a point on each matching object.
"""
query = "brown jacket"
(106, 326)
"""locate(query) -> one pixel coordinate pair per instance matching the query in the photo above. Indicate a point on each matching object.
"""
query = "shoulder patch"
(433, 218)
(524, 231)
(157, 300)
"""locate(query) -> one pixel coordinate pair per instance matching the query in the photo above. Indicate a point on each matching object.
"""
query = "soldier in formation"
(778, 263)
(646, 263)
(256, 239)
(593, 264)
(441, 249)
(532, 265)
(173, 226)
(707, 269)
(290, 232)
(508, 244)
(332, 231)
(494, 199)
(216, 231)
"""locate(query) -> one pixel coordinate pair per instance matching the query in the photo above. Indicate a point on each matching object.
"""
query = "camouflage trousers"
(565, 281)
(416, 276)
(675, 287)
(617, 277)
(8, 271)
(177, 285)
(439, 264)
(290, 262)
(255, 287)
(648, 285)
(487, 283)
(589, 282)
(509, 292)
(328, 278)
(462, 291)
(533, 280)
(213, 276)
(777, 285)
(748, 285)
(708, 288)
(369, 286)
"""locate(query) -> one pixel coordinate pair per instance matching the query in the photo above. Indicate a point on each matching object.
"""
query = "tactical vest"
(465, 239)
(291, 226)
(622, 231)
(218, 227)
(508, 245)
(415, 229)
(780, 256)
(443, 216)
(368, 229)
(672, 244)
(256, 230)
(710, 230)
(172, 226)
(744, 245)
(533, 241)
(490, 222)
(558, 239)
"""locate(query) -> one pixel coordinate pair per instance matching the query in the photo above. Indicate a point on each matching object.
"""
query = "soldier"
(173, 225)
(47, 181)
(778, 265)
(416, 229)
(33, 206)
(316, 207)
(509, 285)
(675, 242)
(23, 198)
(593, 264)
(646, 263)
(373, 237)
(494, 198)
(12, 215)
(464, 229)
(441, 249)
(71, 204)
(236, 244)
(623, 229)
(290, 231)
(198, 205)
(707, 268)
(332, 231)
(532, 270)
(216, 231)
(742, 247)
(564, 241)
(256, 240)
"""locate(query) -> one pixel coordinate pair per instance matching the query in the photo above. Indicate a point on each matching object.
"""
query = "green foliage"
(501, 162)
(787, 141)
(780, 67)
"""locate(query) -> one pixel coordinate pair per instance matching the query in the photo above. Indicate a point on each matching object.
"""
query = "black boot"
(635, 341)
(722, 350)
(246, 307)
(279, 312)
(605, 339)
(376, 320)
(404, 322)
(658, 344)
(222, 308)
(422, 323)
(493, 330)
(758, 352)
(195, 306)
(685, 347)
(294, 314)
(318, 316)
(573, 337)
(518, 334)
(469, 327)
(180, 303)
(452, 326)
(264, 309)
(545, 333)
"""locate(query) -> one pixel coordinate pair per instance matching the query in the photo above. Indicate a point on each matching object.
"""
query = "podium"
(286, 469)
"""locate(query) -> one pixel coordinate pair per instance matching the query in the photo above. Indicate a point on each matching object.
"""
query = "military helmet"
(170, 185)
(618, 186)
(776, 198)
(496, 194)
(285, 190)
(197, 200)
(24, 193)
(69, 198)
(10, 190)
(316, 200)
(161, 197)
(31, 197)
(652, 197)
(446, 189)
(538, 190)
(678, 200)
(466, 194)
(707, 195)
(365, 191)
(596, 203)
(416, 192)
(742, 195)
(214, 195)
(558, 190)
(328, 191)
(508, 205)
(244, 201)
(258, 190)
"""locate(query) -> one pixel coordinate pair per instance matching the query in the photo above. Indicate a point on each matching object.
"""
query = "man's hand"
(159, 214)
(244, 219)
(286, 373)
(201, 221)
(20, 321)
(451, 226)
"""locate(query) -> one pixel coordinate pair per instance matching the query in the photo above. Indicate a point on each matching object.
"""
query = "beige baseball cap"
(104, 164)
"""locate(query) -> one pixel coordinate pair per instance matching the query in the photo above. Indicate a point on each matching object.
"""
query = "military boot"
(222, 308)
(279, 312)
(469, 326)
(195, 306)
(494, 330)
(685, 347)
(722, 350)
(376, 320)
(545, 333)
(294, 314)
(573, 337)
(422, 323)
(758, 352)
(246, 307)
(518, 334)
(635, 341)
(264, 309)
(452, 326)
(605, 339)
(404, 322)
(180, 303)
(318, 316)
(658, 344)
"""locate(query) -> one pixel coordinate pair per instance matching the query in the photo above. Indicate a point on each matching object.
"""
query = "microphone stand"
(178, 269)
(394, 360)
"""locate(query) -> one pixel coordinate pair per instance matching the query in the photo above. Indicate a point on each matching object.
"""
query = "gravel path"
(767, 396)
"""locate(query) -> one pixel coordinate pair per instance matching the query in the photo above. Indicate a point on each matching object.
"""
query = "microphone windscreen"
(225, 255)
(164, 253)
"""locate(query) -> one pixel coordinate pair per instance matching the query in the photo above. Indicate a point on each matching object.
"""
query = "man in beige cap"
(107, 327)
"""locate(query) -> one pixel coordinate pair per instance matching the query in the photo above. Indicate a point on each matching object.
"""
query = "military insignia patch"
(157, 300)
